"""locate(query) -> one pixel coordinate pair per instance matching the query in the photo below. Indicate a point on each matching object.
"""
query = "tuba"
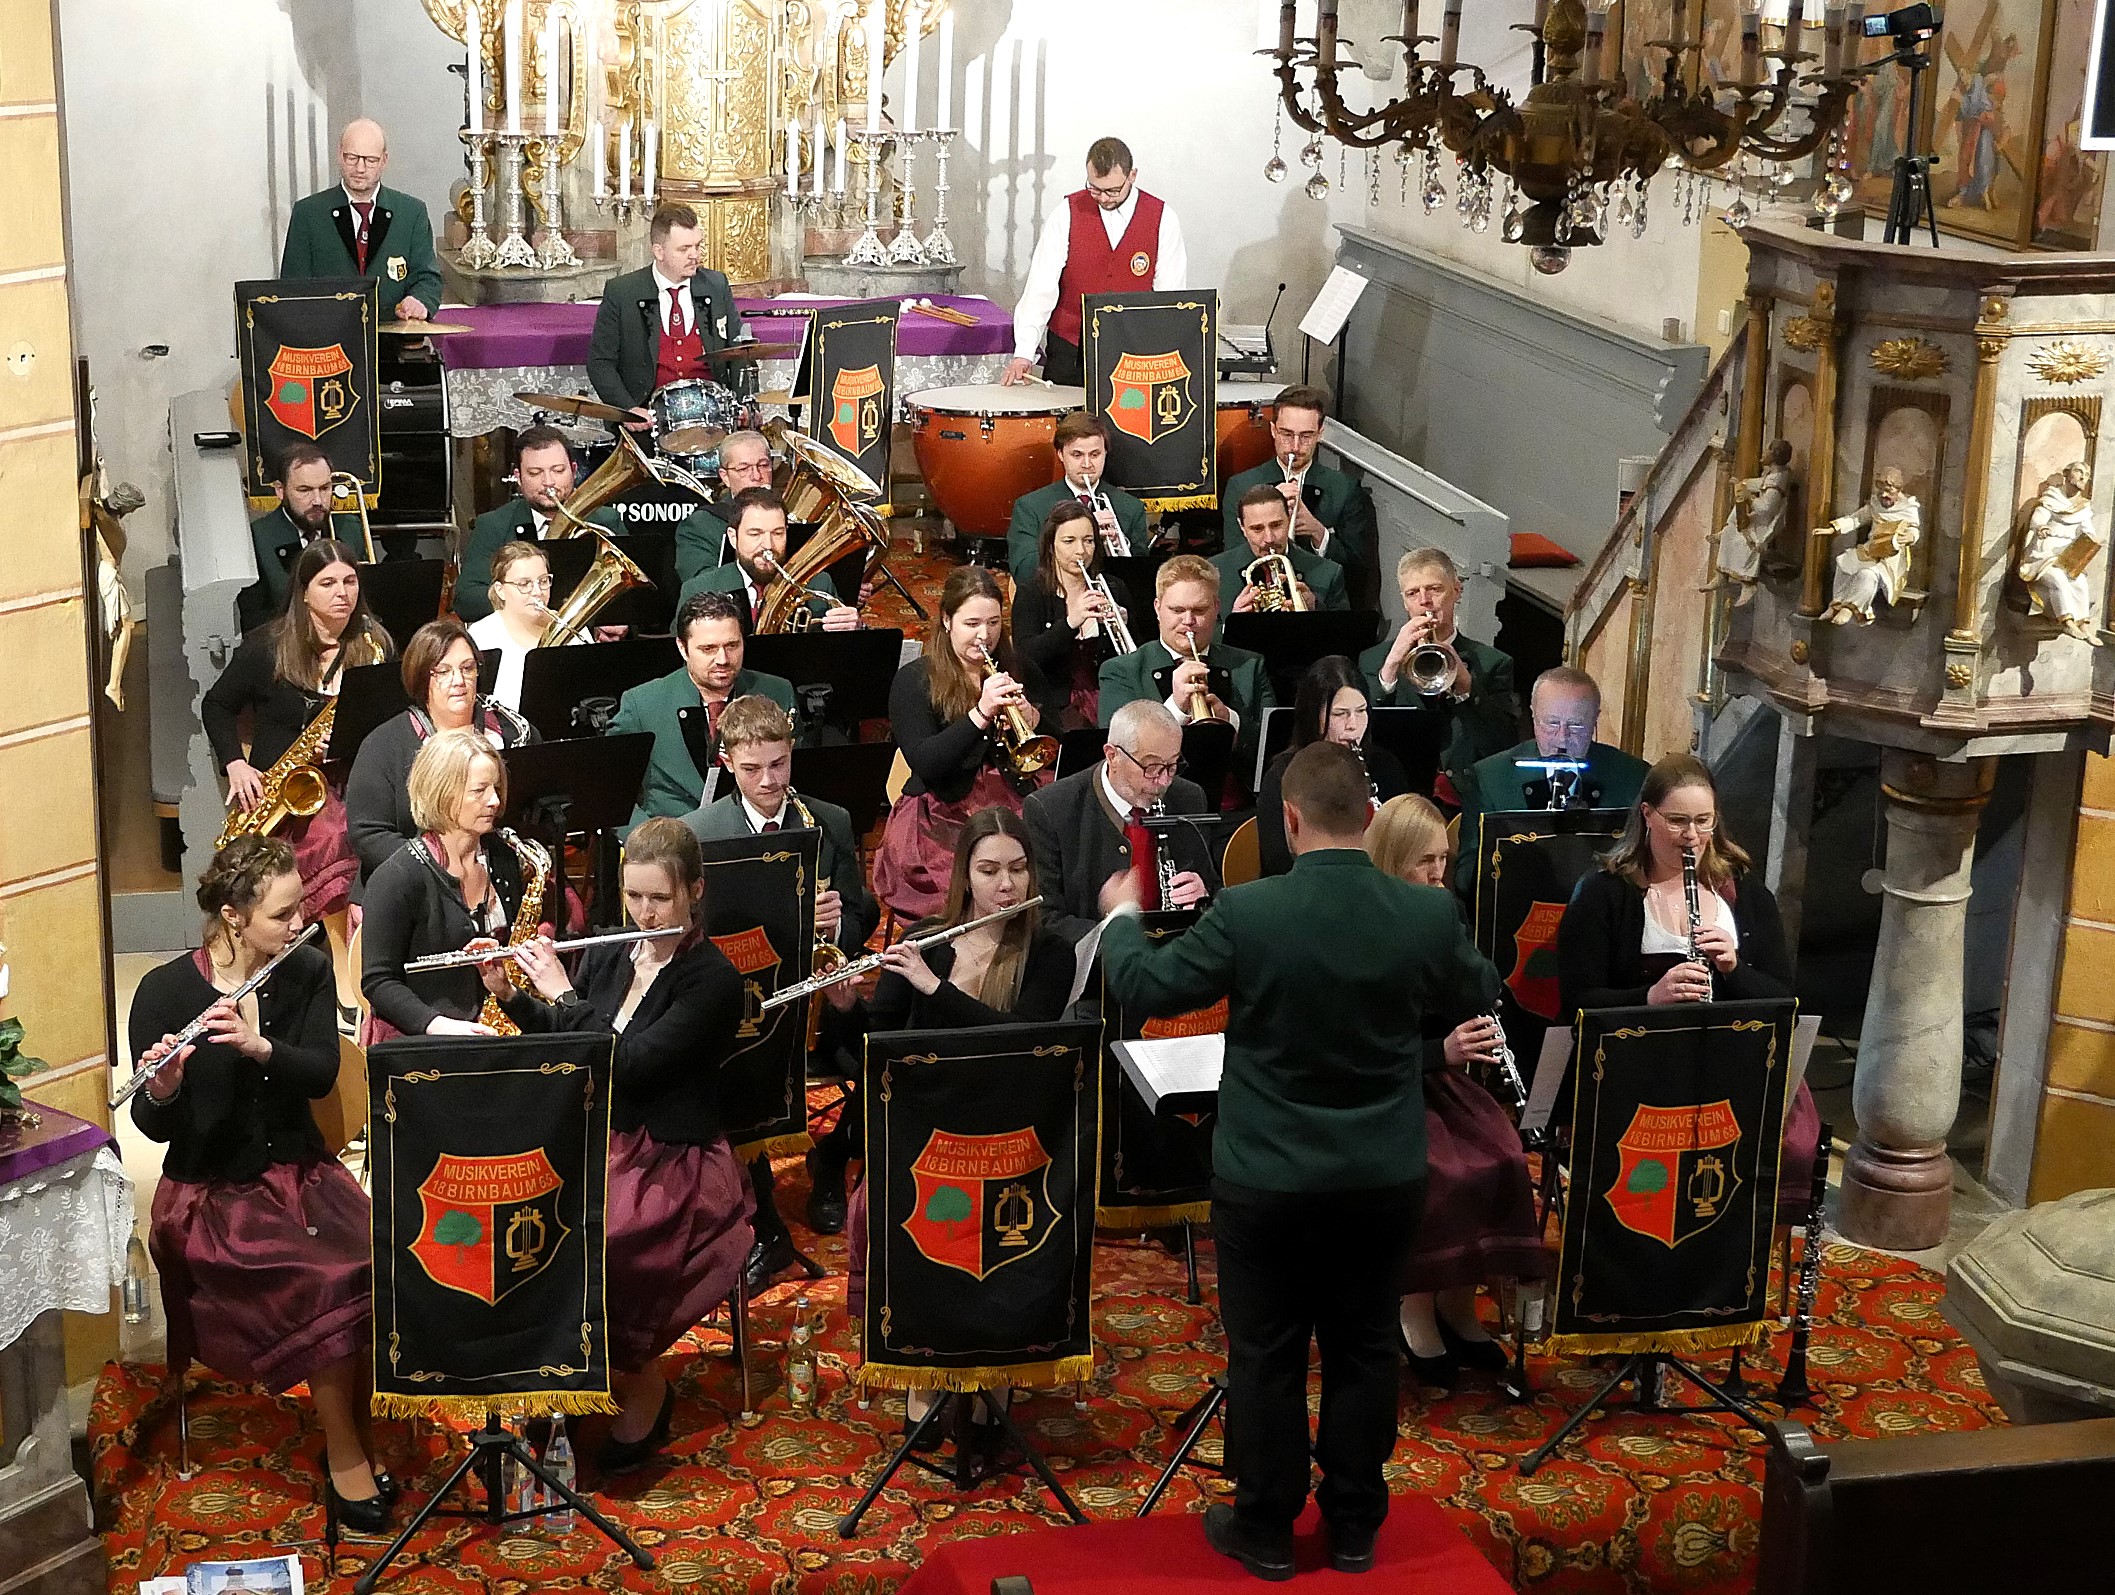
(838, 497)
(528, 920)
(628, 467)
(1276, 585)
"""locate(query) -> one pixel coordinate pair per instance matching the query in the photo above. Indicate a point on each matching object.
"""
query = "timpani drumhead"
(989, 398)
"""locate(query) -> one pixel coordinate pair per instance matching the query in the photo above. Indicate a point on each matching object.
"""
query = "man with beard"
(543, 475)
(303, 515)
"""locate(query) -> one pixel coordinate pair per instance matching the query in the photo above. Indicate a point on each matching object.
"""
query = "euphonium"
(785, 608)
(611, 572)
(1026, 753)
(838, 496)
(528, 920)
(627, 467)
(1276, 585)
(1115, 625)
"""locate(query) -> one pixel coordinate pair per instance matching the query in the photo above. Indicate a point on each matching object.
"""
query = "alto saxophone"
(294, 785)
(825, 957)
(528, 920)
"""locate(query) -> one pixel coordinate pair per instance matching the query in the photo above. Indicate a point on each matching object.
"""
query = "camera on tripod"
(1909, 24)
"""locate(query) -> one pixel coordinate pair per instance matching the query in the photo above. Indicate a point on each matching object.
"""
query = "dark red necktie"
(712, 719)
(676, 327)
(770, 826)
(366, 211)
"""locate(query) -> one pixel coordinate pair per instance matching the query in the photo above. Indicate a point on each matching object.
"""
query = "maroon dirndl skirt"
(323, 853)
(1479, 1218)
(917, 854)
(1802, 1145)
(856, 1254)
(264, 1280)
(1083, 699)
(679, 1231)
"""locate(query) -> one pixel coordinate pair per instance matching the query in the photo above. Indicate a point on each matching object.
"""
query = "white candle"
(913, 20)
(602, 169)
(793, 156)
(474, 51)
(550, 71)
(873, 41)
(838, 178)
(945, 116)
(815, 159)
(624, 159)
(653, 160)
(512, 40)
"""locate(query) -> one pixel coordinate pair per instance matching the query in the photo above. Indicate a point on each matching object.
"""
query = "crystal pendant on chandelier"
(1274, 169)
(1311, 153)
(1434, 193)
(1738, 214)
(1318, 187)
(1514, 224)
(1643, 187)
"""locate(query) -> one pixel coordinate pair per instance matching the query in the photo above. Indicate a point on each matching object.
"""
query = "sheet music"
(1174, 1066)
(1325, 318)
(1549, 1076)
(1083, 961)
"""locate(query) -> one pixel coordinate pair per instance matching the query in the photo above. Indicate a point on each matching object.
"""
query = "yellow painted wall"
(2074, 1148)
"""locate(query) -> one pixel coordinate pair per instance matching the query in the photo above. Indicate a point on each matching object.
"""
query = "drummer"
(658, 324)
(1082, 444)
(543, 477)
(703, 541)
(1106, 238)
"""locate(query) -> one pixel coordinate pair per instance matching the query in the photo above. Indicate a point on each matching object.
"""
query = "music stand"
(1080, 750)
(1208, 751)
(1136, 572)
(644, 609)
(839, 677)
(404, 594)
(559, 684)
(369, 696)
(1289, 641)
(853, 775)
(558, 789)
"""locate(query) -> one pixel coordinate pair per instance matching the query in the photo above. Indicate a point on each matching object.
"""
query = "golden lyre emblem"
(1013, 1215)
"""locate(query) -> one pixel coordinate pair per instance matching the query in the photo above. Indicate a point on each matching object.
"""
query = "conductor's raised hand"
(1121, 891)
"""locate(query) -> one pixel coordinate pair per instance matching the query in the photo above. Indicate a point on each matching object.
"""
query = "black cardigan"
(378, 792)
(233, 1117)
(668, 1057)
(1046, 983)
(945, 758)
(1275, 853)
(1599, 959)
(279, 710)
(415, 907)
(1042, 633)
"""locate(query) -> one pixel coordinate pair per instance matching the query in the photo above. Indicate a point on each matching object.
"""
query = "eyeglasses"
(361, 160)
(1569, 728)
(1158, 770)
(529, 584)
(455, 672)
(1699, 824)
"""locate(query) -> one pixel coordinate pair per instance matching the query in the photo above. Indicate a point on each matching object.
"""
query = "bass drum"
(981, 446)
(1245, 413)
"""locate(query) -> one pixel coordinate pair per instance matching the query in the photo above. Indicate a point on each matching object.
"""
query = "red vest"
(1092, 267)
(679, 359)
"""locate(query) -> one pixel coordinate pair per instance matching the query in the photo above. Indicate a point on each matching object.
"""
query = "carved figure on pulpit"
(1759, 504)
(1877, 569)
(2060, 544)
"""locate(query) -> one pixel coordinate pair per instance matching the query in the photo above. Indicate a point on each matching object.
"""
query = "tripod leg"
(1543, 1452)
(1931, 213)
(1189, 1260)
(848, 1525)
(580, 1504)
(881, 569)
(365, 1583)
(1718, 1393)
(1204, 1411)
(1036, 1459)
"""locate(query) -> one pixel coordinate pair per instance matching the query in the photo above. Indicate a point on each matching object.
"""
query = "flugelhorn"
(1432, 667)
(1200, 705)
(1115, 625)
(1026, 752)
(1276, 585)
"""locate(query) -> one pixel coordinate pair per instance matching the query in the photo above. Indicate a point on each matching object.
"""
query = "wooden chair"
(1243, 859)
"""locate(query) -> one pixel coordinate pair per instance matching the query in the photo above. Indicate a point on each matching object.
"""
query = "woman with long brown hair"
(1059, 623)
(946, 710)
(1329, 705)
(284, 673)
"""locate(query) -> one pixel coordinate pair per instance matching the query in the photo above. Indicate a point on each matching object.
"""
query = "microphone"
(1267, 320)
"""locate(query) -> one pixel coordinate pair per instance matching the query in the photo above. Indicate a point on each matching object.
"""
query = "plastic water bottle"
(133, 1293)
(558, 1462)
(800, 1360)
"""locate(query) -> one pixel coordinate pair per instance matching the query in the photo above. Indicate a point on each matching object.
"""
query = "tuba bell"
(611, 572)
(628, 467)
(838, 496)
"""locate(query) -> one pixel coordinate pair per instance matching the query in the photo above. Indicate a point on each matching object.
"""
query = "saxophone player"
(1266, 532)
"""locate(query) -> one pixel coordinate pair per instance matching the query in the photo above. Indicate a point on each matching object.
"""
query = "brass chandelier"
(1577, 154)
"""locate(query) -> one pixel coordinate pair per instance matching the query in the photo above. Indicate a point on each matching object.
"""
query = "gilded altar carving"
(1911, 359)
(1959, 673)
(718, 110)
(2065, 362)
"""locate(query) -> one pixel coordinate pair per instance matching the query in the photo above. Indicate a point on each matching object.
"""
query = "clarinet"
(1694, 900)
(1163, 860)
(1793, 1390)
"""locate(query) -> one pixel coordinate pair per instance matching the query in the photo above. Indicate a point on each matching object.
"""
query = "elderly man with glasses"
(704, 539)
(1080, 829)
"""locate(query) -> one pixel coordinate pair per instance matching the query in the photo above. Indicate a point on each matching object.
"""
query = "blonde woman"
(521, 607)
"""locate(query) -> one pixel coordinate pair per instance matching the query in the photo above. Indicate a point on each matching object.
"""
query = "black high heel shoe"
(621, 1456)
(369, 1516)
(1435, 1373)
(1484, 1356)
(386, 1484)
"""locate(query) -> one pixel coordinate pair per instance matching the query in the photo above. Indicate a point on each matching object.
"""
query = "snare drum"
(1245, 412)
(981, 446)
(692, 403)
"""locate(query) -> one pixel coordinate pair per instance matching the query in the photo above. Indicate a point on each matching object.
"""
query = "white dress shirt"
(1031, 317)
(491, 632)
(758, 819)
(690, 311)
(1116, 798)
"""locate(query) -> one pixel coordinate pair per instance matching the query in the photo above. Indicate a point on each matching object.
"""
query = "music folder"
(557, 683)
(1175, 1074)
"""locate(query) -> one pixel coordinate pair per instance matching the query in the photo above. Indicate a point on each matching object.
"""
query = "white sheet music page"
(1325, 318)
(1174, 1066)
(1549, 1077)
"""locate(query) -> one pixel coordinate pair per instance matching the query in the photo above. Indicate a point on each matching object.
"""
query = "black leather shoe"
(621, 1456)
(1224, 1533)
(1485, 1356)
(1351, 1550)
(387, 1485)
(369, 1516)
(767, 1260)
(1435, 1373)
(826, 1196)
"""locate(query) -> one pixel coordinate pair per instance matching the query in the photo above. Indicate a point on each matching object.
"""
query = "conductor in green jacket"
(1479, 695)
(361, 229)
(1332, 514)
(543, 479)
(658, 324)
(1083, 455)
(710, 639)
(1333, 973)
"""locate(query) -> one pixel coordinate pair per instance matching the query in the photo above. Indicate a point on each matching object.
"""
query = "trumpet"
(1432, 667)
(1106, 532)
(859, 968)
(1026, 753)
(197, 1027)
(1115, 626)
(485, 955)
(1276, 585)
(1200, 705)
(343, 484)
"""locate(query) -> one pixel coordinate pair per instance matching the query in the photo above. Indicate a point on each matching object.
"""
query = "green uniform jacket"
(627, 337)
(1129, 677)
(1493, 787)
(492, 531)
(1335, 500)
(727, 578)
(673, 785)
(839, 863)
(1486, 722)
(1330, 972)
(319, 243)
(1030, 510)
(1325, 576)
(701, 542)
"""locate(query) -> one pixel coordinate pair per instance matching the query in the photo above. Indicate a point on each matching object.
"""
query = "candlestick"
(904, 249)
(944, 118)
(1750, 41)
(867, 250)
(624, 161)
(939, 248)
(907, 118)
(553, 252)
(515, 248)
(839, 176)
(550, 73)
(478, 249)
(602, 183)
(1450, 33)
(793, 156)
(474, 49)
(511, 41)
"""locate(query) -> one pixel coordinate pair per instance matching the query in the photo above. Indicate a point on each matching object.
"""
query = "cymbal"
(577, 405)
(692, 440)
(753, 351)
(421, 329)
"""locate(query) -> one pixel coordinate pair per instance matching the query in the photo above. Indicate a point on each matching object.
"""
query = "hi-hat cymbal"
(420, 329)
(692, 440)
(577, 405)
(753, 351)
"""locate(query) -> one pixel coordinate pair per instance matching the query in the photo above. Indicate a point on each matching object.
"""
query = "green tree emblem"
(459, 1229)
(949, 1207)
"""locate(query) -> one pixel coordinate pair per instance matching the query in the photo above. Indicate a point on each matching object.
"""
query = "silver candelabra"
(478, 251)
(868, 251)
(553, 253)
(939, 248)
(905, 250)
(514, 248)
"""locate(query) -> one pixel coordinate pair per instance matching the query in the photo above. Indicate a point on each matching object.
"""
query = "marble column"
(1898, 1180)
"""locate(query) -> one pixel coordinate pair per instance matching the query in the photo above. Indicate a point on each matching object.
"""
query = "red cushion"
(1531, 549)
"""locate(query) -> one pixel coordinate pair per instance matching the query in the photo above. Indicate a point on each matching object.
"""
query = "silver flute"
(486, 955)
(197, 1027)
(867, 965)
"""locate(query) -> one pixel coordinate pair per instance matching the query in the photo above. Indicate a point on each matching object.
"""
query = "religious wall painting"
(1878, 130)
(1636, 24)
(1987, 66)
(2069, 185)
(1906, 430)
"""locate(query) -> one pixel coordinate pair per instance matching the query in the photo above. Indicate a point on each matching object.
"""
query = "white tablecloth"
(62, 1239)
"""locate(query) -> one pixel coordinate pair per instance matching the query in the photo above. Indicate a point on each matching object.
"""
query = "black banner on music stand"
(851, 390)
(760, 912)
(981, 1158)
(1156, 1168)
(1527, 863)
(1677, 1133)
(490, 1161)
(1151, 377)
(308, 375)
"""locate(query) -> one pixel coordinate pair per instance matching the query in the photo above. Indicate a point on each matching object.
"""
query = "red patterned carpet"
(1638, 1505)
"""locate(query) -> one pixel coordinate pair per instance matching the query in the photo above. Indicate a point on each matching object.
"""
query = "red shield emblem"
(1676, 1175)
(855, 409)
(983, 1200)
(751, 953)
(491, 1223)
(310, 393)
(1533, 981)
(1149, 395)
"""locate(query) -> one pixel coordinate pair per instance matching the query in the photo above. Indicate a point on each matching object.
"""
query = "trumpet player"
(1183, 668)
(520, 595)
(543, 479)
(1331, 514)
(1082, 446)
(1479, 694)
(1068, 614)
(1266, 534)
(757, 528)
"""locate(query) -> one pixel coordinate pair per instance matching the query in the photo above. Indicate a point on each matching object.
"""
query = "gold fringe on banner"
(1152, 1217)
(473, 1409)
(1181, 501)
(1672, 1343)
(891, 1376)
(775, 1146)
